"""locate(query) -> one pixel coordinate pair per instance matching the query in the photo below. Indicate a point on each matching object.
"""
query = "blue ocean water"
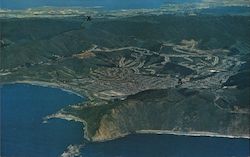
(22, 132)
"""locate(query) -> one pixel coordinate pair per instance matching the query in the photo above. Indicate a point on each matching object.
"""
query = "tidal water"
(22, 132)
(24, 135)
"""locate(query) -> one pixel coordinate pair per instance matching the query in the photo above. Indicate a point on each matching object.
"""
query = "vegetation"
(167, 72)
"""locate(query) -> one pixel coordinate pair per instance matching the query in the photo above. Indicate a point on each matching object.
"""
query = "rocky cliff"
(172, 110)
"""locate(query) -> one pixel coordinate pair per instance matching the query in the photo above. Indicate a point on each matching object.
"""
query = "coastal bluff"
(167, 111)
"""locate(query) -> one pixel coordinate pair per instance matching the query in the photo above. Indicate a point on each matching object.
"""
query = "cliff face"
(108, 130)
(170, 110)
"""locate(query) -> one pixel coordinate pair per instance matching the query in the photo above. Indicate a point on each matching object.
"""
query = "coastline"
(68, 117)
(58, 114)
(177, 133)
(45, 84)
(192, 134)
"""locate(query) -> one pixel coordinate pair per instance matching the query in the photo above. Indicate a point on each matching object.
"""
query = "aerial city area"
(122, 78)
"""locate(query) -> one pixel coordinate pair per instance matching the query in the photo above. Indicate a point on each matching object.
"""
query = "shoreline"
(175, 133)
(192, 134)
(68, 117)
(59, 114)
(45, 84)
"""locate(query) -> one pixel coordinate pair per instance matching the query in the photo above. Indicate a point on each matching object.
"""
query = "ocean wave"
(72, 151)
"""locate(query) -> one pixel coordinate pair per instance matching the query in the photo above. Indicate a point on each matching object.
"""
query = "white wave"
(72, 151)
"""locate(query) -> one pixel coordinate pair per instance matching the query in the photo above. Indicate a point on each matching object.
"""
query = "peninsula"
(146, 73)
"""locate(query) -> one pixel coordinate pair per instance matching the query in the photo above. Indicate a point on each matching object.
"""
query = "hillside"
(173, 73)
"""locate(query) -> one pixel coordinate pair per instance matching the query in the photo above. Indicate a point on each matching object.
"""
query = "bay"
(23, 132)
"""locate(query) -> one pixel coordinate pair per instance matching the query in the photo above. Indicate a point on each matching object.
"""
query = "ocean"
(23, 133)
